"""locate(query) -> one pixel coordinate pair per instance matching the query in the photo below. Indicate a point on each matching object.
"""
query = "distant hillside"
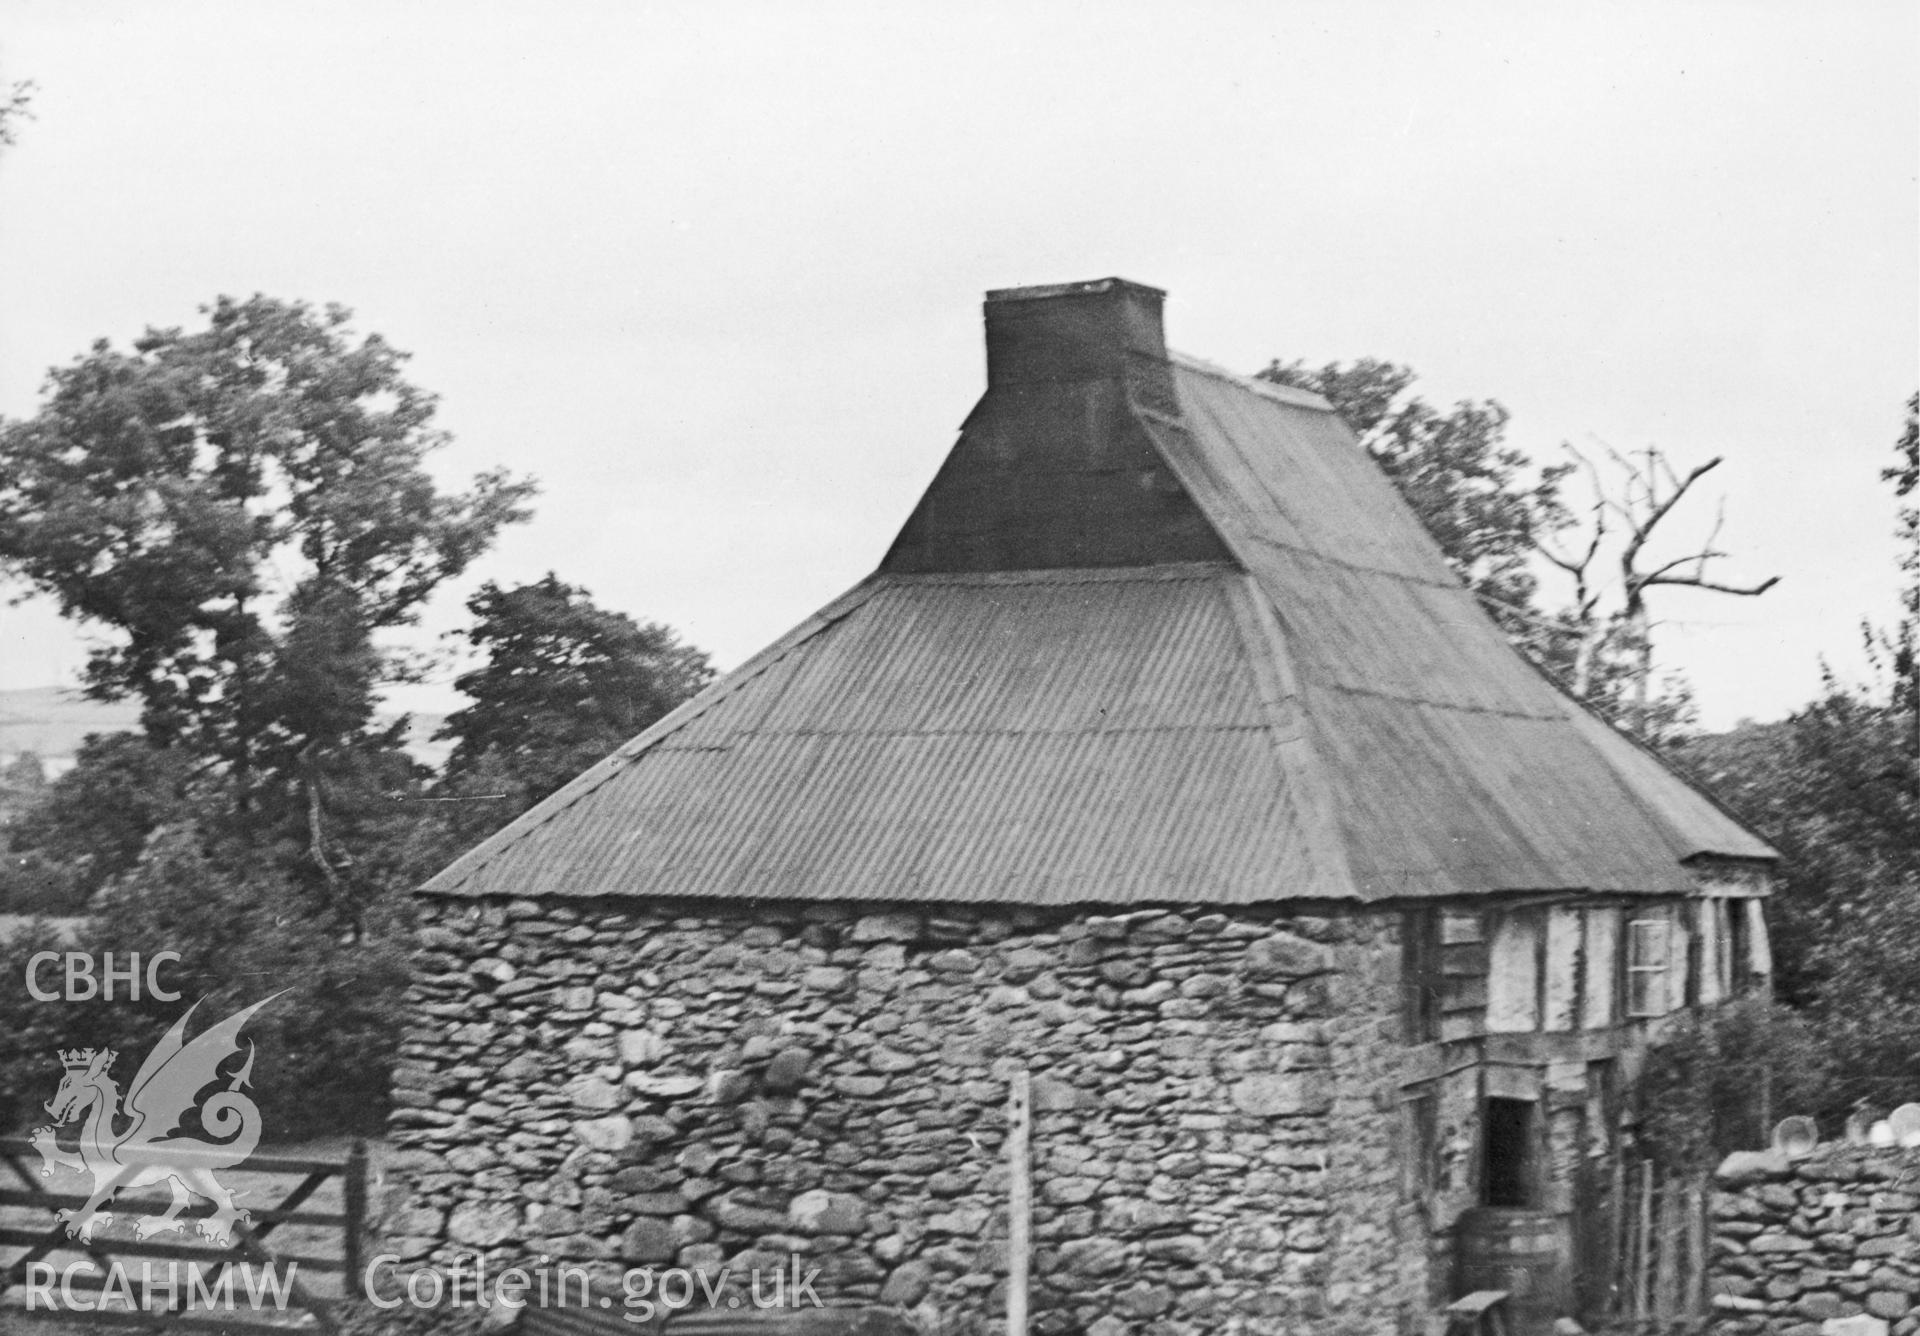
(51, 722)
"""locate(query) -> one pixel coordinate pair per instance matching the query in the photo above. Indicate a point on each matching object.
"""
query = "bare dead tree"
(1646, 493)
(1585, 619)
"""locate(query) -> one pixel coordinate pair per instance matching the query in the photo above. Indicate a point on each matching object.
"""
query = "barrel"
(1527, 1253)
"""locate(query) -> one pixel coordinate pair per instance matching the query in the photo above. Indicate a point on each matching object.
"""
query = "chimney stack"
(1072, 331)
(1057, 467)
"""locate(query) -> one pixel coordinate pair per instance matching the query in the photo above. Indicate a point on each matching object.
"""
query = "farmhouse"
(1162, 758)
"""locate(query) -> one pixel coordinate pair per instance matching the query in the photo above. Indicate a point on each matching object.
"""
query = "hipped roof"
(1157, 633)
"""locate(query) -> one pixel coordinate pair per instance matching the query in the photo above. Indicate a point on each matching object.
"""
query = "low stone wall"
(1800, 1242)
(715, 1084)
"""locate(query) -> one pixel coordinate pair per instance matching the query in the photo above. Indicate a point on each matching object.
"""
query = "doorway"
(1509, 1169)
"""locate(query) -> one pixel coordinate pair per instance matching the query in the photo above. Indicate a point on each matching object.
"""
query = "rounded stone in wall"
(483, 1224)
(608, 1134)
(649, 1239)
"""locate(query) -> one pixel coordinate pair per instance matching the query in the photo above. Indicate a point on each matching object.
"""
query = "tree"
(244, 508)
(1903, 643)
(1836, 788)
(1604, 650)
(324, 1048)
(563, 683)
(22, 781)
(93, 821)
(1830, 789)
(1477, 496)
(1495, 516)
(1716, 1080)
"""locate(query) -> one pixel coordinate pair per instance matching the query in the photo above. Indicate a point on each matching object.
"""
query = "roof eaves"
(1572, 702)
(1772, 855)
(463, 869)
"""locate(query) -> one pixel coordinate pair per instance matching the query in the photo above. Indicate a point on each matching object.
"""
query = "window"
(1420, 975)
(1647, 961)
(1508, 1168)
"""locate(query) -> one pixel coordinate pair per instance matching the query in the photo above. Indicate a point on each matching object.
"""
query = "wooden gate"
(1659, 1236)
(250, 1247)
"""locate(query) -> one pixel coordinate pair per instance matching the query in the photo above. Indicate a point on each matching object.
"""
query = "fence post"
(355, 1184)
(1019, 1201)
(1698, 1199)
(1643, 1266)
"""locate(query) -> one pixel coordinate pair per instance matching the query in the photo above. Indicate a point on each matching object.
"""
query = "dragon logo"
(141, 1141)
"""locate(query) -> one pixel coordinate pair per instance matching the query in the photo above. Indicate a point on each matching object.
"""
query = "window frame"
(1636, 966)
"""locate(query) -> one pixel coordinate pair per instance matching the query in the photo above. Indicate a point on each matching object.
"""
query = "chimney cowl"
(1072, 331)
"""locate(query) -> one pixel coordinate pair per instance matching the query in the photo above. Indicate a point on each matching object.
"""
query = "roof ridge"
(1286, 394)
(476, 859)
(1159, 572)
(1282, 700)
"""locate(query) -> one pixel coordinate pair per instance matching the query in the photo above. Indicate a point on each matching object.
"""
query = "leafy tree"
(244, 508)
(1718, 1079)
(22, 781)
(93, 821)
(1836, 788)
(1904, 643)
(564, 682)
(325, 1047)
(30, 884)
(1830, 789)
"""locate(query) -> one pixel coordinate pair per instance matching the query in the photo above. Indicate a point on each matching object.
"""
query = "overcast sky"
(712, 272)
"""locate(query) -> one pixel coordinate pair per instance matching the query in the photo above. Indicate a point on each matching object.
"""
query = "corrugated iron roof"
(1049, 738)
(1393, 649)
(1319, 710)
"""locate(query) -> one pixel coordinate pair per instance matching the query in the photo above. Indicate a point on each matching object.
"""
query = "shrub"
(325, 1046)
(1718, 1080)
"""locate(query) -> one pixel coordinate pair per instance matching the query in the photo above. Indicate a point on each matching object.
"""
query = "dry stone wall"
(719, 1084)
(1800, 1246)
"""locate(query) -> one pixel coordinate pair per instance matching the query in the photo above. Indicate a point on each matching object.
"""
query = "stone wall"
(1799, 1243)
(697, 1085)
